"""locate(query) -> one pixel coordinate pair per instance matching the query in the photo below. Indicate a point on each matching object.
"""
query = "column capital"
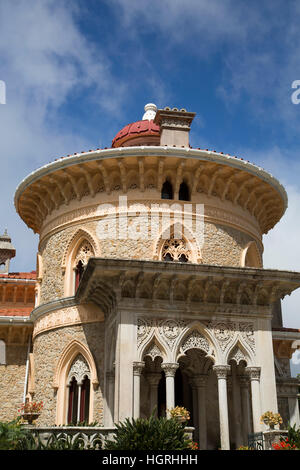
(221, 371)
(138, 367)
(170, 368)
(253, 372)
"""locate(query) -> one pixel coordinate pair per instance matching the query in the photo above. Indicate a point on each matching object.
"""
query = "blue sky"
(77, 71)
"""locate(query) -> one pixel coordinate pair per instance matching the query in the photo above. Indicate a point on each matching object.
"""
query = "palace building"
(149, 289)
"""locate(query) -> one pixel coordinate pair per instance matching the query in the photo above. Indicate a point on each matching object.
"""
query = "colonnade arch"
(220, 390)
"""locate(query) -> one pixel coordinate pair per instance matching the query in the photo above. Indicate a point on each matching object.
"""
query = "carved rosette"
(144, 326)
(169, 330)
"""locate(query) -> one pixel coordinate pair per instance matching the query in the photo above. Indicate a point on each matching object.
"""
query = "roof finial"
(150, 109)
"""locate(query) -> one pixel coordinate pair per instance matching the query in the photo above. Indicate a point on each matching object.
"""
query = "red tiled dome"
(134, 130)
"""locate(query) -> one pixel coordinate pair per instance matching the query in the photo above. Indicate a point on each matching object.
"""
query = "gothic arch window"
(78, 384)
(167, 190)
(184, 192)
(176, 250)
(84, 252)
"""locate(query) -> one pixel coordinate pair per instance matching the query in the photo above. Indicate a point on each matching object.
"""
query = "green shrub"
(293, 436)
(11, 434)
(149, 434)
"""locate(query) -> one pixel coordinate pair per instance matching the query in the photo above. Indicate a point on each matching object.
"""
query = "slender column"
(170, 371)
(78, 403)
(137, 371)
(200, 382)
(195, 406)
(110, 376)
(254, 374)
(294, 411)
(153, 379)
(245, 408)
(68, 403)
(221, 372)
(236, 399)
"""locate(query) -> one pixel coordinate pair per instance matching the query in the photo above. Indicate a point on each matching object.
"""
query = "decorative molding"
(66, 317)
(169, 368)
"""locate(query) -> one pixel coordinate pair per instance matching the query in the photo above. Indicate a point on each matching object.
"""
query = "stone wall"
(223, 246)
(47, 350)
(12, 380)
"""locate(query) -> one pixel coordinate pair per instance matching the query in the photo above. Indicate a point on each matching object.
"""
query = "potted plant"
(271, 419)
(180, 413)
(30, 410)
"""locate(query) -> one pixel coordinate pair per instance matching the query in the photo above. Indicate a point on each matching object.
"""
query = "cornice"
(268, 203)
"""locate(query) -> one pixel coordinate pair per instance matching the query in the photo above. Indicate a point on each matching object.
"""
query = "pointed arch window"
(78, 385)
(184, 192)
(84, 252)
(167, 190)
(176, 250)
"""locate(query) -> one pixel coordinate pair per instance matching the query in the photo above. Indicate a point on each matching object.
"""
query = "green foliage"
(149, 434)
(11, 434)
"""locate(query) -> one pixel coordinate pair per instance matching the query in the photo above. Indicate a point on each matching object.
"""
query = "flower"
(284, 445)
(179, 411)
(194, 446)
(271, 418)
(31, 407)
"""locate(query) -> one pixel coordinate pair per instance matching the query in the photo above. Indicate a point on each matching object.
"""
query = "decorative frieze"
(67, 316)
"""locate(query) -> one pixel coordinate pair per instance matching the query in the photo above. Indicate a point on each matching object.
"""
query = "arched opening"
(252, 257)
(167, 190)
(78, 384)
(184, 192)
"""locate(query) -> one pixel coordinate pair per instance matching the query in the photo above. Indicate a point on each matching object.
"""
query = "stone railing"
(89, 437)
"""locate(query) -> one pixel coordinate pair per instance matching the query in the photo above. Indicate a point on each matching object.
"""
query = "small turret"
(7, 251)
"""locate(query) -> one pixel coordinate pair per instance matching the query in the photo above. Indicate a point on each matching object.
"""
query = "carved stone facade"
(154, 319)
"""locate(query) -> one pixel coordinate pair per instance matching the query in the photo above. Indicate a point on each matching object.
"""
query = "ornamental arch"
(80, 248)
(61, 378)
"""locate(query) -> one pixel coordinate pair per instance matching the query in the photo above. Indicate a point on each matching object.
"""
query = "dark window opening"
(167, 190)
(78, 273)
(184, 192)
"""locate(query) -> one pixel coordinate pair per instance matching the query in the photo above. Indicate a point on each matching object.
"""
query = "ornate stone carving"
(79, 370)
(175, 250)
(237, 355)
(253, 372)
(85, 251)
(170, 368)
(195, 341)
(138, 368)
(221, 371)
(247, 333)
(153, 351)
(143, 329)
(223, 332)
(170, 330)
